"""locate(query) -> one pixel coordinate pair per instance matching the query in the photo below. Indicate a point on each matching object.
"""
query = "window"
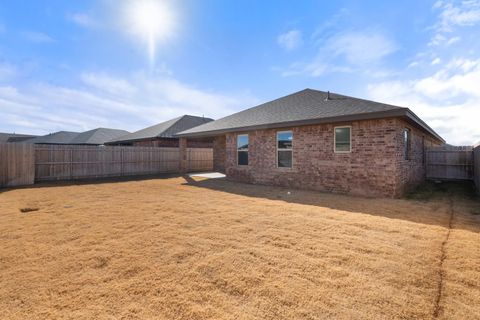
(343, 139)
(406, 143)
(242, 149)
(284, 149)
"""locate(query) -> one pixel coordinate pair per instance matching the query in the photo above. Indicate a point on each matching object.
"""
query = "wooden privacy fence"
(199, 159)
(23, 164)
(476, 168)
(17, 166)
(450, 163)
(67, 162)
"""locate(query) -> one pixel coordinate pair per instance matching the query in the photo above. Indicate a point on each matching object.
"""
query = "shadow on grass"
(427, 205)
(434, 190)
(87, 181)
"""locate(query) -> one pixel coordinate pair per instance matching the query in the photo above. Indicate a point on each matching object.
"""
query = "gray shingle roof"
(60, 137)
(301, 108)
(165, 129)
(14, 137)
(98, 136)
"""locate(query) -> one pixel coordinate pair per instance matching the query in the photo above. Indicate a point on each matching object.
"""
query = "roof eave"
(412, 116)
(400, 112)
(353, 117)
(140, 139)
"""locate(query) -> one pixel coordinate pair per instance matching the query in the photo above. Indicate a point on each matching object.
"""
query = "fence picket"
(16, 164)
(450, 163)
(68, 162)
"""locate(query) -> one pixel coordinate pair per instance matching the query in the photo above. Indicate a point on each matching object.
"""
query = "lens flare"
(152, 21)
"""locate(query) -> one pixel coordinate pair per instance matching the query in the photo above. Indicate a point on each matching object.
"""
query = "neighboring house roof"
(14, 137)
(303, 108)
(60, 137)
(98, 136)
(166, 129)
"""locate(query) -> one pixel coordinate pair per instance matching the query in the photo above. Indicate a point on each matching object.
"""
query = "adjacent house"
(322, 141)
(98, 136)
(14, 137)
(60, 137)
(93, 137)
(163, 134)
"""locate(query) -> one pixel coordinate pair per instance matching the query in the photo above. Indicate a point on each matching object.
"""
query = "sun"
(152, 21)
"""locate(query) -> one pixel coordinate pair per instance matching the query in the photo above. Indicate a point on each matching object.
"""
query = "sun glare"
(152, 21)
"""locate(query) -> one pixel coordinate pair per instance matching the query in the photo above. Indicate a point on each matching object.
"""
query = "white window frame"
(236, 142)
(280, 150)
(335, 139)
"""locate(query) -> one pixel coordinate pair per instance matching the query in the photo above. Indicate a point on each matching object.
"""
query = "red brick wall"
(411, 171)
(171, 143)
(160, 142)
(219, 154)
(476, 169)
(371, 169)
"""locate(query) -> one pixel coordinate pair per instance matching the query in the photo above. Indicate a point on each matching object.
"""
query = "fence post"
(122, 160)
(183, 155)
(476, 166)
(71, 163)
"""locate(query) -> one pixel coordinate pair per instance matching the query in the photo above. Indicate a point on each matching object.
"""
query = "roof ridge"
(171, 125)
(361, 99)
(264, 103)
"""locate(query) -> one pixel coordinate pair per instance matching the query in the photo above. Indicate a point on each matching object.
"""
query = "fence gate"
(16, 164)
(199, 159)
(450, 163)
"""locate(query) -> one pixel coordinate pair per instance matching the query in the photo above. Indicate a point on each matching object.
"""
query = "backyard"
(189, 248)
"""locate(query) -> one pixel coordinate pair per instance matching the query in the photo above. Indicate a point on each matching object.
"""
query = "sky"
(128, 64)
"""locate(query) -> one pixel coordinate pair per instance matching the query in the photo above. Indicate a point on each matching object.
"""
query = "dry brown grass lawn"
(162, 248)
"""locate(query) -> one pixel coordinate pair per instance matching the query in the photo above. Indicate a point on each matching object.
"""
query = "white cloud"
(7, 71)
(37, 37)
(452, 40)
(453, 16)
(360, 48)
(448, 100)
(290, 40)
(83, 20)
(446, 96)
(107, 101)
(346, 52)
(107, 83)
(466, 13)
(459, 78)
(413, 64)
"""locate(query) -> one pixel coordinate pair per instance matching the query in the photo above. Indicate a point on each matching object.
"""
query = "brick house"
(322, 141)
(163, 134)
(95, 137)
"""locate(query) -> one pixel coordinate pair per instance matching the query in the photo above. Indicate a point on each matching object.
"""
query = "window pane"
(243, 158)
(342, 147)
(342, 135)
(284, 140)
(406, 138)
(406, 135)
(284, 159)
(242, 142)
(342, 139)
